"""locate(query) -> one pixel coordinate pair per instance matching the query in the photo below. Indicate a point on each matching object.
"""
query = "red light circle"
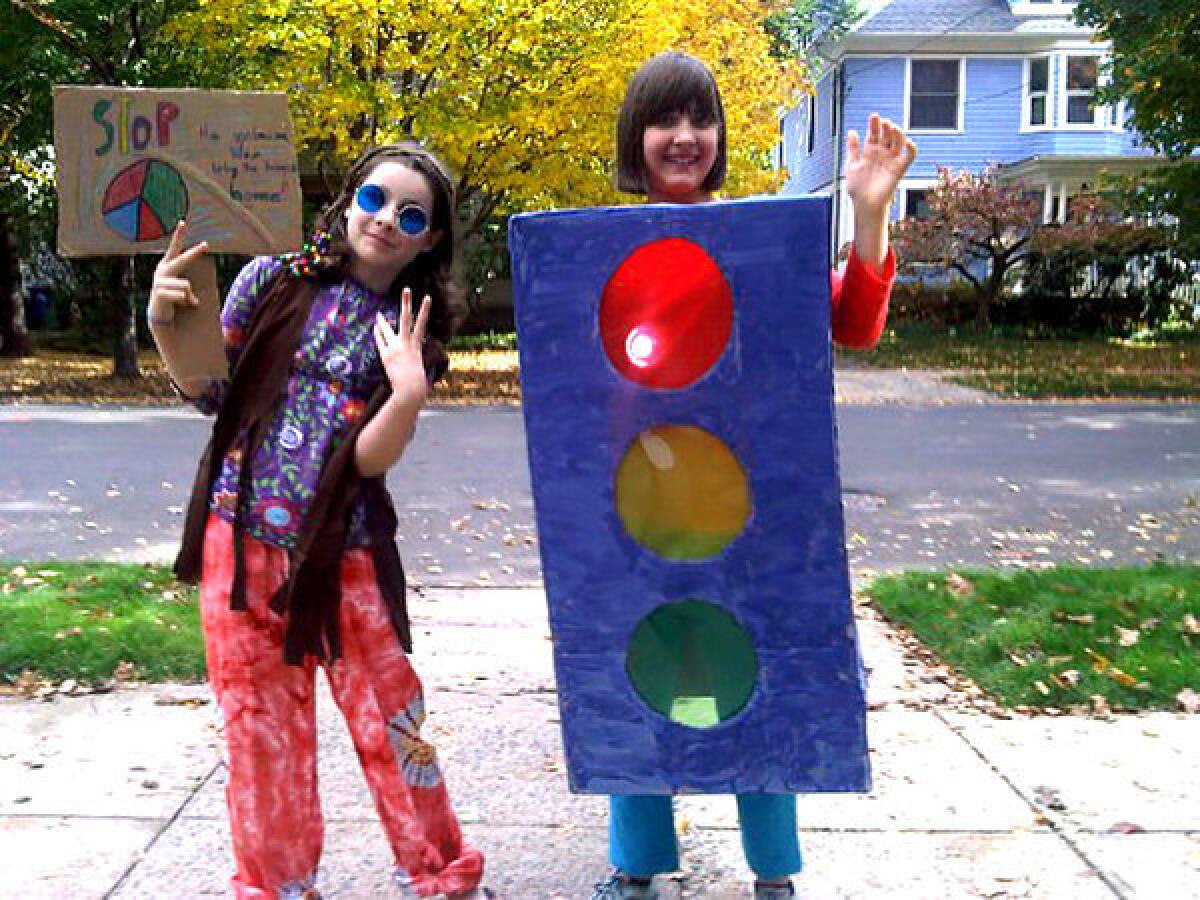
(666, 314)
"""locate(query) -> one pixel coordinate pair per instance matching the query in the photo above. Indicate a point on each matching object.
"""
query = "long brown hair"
(433, 272)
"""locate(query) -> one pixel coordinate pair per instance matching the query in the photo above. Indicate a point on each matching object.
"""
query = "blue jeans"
(641, 834)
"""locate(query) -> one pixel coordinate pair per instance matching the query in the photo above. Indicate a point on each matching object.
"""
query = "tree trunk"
(987, 293)
(122, 284)
(985, 296)
(14, 339)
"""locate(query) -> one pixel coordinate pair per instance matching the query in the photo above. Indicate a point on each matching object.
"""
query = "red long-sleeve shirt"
(860, 300)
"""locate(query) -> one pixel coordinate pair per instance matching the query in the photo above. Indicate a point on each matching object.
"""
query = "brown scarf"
(311, 595)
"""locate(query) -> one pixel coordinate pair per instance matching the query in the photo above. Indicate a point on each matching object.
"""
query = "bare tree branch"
(101, 68)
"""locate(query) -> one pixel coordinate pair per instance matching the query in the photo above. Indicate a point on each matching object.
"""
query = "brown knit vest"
(311, 595)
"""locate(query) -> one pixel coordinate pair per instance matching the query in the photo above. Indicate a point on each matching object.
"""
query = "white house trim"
(1013, 43)
(1055, 8)
(1061, 177)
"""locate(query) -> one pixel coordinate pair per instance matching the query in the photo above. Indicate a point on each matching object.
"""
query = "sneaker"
(479, 893)
(619, 886)
(774, 891)
(299, 890)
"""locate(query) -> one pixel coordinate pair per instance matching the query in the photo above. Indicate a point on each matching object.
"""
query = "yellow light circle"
(682, 493)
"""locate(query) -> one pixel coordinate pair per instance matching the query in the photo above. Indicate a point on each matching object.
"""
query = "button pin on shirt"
(291, 437)
(338, 365)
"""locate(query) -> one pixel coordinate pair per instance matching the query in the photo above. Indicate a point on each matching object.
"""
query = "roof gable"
(941, 17)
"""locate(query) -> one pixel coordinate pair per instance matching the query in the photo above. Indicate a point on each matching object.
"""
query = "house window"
(810, 114)
(916, 203)
(934, 93)
(1083, 75)
(1037, 91)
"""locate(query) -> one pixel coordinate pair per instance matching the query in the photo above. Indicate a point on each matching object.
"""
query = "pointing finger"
(175, 247)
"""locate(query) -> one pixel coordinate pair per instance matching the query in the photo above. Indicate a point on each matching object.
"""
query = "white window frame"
(962, 94)
(1100, 118)
(900, 201)
(1044, 8)
(910, 187)
(1027, 94)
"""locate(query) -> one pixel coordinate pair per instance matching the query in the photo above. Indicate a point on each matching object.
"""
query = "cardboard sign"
(678, 398)
(132, 162)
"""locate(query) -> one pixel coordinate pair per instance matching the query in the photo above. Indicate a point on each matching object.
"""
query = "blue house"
(975, 83)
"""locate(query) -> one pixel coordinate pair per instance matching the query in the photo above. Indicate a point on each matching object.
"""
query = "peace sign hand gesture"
(400, 350)
(170, 287)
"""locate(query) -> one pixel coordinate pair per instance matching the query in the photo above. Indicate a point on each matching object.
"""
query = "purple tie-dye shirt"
(334, 373)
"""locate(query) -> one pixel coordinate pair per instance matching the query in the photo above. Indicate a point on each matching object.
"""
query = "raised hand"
(400, 350)
(170, 288)
(874, 167)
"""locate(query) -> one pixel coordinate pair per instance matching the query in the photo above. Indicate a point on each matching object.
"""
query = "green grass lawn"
(1040, 366)
(82, 620)
(1055, 637)
(1060, 636)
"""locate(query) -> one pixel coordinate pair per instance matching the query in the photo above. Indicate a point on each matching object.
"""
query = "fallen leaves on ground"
(1031, 365)
(475, 377)
(959, 586)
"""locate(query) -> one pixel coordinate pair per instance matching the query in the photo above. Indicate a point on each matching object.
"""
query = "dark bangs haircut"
(665, 86)
(432, 272)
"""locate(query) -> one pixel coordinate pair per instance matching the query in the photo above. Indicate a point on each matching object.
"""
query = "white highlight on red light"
(640, 346)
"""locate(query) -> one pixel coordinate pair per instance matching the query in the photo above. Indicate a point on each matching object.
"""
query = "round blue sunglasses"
(411, 218)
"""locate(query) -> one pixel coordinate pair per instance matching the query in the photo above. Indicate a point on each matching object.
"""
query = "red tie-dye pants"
(269, 721)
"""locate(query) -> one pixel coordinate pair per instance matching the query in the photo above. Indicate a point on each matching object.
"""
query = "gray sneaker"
(617, 886)
(774, 891)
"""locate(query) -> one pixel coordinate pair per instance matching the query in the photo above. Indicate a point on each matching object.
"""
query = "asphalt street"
(1002, 484)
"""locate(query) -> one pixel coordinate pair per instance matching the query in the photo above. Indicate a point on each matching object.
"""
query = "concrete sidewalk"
(120, 795)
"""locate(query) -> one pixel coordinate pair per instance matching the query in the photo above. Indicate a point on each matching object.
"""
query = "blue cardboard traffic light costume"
(677, 374)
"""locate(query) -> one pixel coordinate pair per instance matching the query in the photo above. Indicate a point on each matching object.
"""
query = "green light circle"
(693, 663)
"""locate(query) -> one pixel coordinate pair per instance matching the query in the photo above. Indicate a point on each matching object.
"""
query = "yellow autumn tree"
(518, 96)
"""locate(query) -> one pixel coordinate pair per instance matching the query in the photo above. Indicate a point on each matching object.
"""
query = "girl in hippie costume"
(290, 529)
